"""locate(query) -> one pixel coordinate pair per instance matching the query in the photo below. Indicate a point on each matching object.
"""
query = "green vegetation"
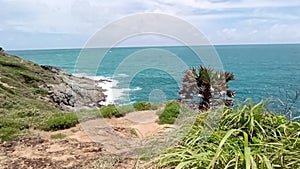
(140, 106)
(60, 121)
(246, 138)
(21, 106)
(112, 110)
(9, 133)
(204, 88)
(58, 136)
(170, 113)
(109, 111)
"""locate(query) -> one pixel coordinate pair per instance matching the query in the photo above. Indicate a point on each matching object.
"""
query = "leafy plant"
(203, 88)
(140, 106)
(60, 121)
(247, 138)
(9, 133)
(170, 113)
(109, 111)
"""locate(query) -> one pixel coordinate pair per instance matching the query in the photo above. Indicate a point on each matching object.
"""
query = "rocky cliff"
(72, 92)
(23, 83)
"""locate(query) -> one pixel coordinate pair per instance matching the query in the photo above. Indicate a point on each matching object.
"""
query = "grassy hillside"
(23, 103)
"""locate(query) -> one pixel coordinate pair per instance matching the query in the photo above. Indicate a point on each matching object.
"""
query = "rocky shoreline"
(72, 93)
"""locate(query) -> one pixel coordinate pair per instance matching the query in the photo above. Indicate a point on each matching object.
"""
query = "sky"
(47, 24)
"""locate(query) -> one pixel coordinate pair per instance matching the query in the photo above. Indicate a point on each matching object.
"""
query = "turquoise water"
(261, 71)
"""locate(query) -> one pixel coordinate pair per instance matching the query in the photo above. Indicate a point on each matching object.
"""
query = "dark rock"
(230, 93)
(51, 68)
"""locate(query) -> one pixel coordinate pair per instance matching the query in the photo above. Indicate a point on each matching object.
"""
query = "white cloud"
(223, 21)
(286, 31)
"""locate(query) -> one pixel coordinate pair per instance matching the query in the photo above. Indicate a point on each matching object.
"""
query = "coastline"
(109, 86)
(114, 95)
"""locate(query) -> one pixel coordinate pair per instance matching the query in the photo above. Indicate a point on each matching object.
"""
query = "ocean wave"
(121, 75)
(136, 89)
(110, 87)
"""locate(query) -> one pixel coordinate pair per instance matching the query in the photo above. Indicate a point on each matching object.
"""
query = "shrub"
(9, 133)
(170, 113)
(140, 106)
(16, 123)
(109, 111)
(61, 121)
(246, 137)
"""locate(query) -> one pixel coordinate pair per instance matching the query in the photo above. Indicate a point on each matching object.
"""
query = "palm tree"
(204, 88)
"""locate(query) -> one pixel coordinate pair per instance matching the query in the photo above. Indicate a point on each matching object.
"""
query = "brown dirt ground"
(78, 149)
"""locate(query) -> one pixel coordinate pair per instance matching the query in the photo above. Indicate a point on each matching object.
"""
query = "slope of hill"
(30, 94)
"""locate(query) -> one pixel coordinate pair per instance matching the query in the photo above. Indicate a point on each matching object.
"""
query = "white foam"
(136, 89)
(113, 94)
(106, 83)
(121, 75)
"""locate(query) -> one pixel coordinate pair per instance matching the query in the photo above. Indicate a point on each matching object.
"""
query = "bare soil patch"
(92, 144)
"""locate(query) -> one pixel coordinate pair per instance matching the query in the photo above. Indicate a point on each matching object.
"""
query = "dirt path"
(143, 122)
(88, 145)
(125, 134)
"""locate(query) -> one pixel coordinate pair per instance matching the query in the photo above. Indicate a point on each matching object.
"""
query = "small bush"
(109, 111)
(13, 123)
(61, 121)
(9, 133)
(170, 113)
(58, 136)
(140, 106)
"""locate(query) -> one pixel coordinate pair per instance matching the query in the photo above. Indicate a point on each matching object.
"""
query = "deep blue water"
(261, 71)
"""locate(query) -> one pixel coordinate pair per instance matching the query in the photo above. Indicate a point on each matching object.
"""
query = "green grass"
(58, 136)
(140, 106)
(246, 138)
(112, 110)
(170, 113)
(109, 111)
(9, 133)
(21, 106)
(60, 121)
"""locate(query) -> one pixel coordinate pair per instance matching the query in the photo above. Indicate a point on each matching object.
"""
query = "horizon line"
(149, 46)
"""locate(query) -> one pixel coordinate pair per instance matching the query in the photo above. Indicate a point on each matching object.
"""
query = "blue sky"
(36, 24)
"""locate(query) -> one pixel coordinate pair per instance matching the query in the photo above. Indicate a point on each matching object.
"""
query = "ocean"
(153, 73)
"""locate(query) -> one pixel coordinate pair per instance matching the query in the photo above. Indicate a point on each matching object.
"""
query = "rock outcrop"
(71, 92)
